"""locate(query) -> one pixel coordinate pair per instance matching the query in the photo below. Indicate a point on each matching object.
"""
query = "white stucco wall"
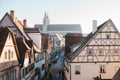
(90, 70)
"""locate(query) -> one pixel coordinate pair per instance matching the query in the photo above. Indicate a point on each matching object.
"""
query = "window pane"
(77, 69)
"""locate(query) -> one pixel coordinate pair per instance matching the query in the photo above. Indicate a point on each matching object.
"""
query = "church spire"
(46, 20)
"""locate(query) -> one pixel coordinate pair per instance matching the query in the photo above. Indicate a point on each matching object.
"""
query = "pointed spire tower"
(46, 20)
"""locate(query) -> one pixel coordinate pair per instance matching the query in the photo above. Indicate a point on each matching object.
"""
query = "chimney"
(25, 23)
(12, 13)
(94, 24)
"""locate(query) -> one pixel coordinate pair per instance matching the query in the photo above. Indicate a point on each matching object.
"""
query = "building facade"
(9, 57)
(98, 56)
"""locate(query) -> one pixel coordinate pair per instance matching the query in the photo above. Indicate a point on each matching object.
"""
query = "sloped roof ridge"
(76, 52)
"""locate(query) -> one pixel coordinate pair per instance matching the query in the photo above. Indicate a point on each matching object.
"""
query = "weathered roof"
(85, 41)
(22, 47)
(61, 27)
(3, 37)
(32, 30)
(20, 28)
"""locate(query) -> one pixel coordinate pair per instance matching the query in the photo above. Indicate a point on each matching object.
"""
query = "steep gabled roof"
(17, 24)
(4, 32)
(87, 40)
(20, 28)
(22, 48)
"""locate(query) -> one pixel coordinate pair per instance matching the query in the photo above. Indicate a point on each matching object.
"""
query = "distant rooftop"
(61, 27)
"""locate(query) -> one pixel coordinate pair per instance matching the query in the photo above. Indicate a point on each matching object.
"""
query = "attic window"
(5, 55)
(8, 54)
(115, 52)
(108, 36)
(90, 52)
(101, 53)
(12, 54)
(9, 36)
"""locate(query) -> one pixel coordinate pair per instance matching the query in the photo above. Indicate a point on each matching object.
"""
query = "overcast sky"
(64, 11)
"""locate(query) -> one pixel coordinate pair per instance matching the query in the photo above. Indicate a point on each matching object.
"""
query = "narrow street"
(55, 72)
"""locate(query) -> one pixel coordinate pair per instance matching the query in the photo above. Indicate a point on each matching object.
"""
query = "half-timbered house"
(98, 56)
(9, 56)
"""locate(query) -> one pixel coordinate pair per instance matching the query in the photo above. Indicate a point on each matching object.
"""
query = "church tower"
(46, 22)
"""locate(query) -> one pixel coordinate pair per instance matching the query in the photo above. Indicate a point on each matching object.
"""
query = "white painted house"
(35, 35)
(98, 56)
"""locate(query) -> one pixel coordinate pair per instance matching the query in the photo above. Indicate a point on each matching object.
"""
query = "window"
(41, 56)
(77, 69)
(108, 36)
(102, 69)
(115, 53)
(5, 55)
(9, 36)
(13, 74)
(8, 54)
(90, 52)
(101, 52)
(12, 54)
